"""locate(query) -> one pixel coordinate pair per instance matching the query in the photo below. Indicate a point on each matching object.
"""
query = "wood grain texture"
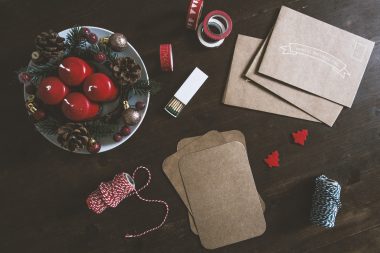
(43, 188)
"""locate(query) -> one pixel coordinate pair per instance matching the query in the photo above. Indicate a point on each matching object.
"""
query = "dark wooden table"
(43, 188)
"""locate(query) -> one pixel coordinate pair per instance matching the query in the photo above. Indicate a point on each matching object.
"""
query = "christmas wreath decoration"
(78, 88)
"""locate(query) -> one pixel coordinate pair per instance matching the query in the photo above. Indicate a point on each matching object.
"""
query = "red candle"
(99, 87)
(52, 91)
(77, 107)
(73, 70)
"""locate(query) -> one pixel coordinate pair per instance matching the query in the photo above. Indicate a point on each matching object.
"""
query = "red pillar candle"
(77, 107)
(99, 87)
(73, 70)
(52, 91)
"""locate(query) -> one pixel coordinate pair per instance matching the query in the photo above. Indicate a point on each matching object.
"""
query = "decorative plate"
(105, 139)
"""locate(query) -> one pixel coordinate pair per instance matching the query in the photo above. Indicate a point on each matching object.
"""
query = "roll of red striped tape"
(194, 12)
(166, 57)
(222, 16)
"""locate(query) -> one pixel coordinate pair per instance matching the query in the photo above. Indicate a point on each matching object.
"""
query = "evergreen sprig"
(99, 128)
(143, 87)
(37, 72)
(49, 126)
(75, 39)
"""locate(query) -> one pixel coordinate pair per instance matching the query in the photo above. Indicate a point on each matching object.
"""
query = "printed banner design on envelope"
(299, 49)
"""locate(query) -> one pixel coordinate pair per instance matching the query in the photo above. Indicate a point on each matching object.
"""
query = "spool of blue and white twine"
(326, 202)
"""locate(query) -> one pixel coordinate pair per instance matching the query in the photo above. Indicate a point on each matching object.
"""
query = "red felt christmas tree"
(273, 159)
(300, 136)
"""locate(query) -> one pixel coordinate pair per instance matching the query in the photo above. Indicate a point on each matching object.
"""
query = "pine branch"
(48, 126)
(98, 128)
(143, 87)
(75, 39)
(37, 72)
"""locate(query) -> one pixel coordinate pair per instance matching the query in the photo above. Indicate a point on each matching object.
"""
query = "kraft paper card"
(229, 136)
(244, 93)
(170, 164)
(316, 57)
(320, 108)
(222, 195)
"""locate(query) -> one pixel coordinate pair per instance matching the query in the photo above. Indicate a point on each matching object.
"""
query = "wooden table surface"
(43, 188)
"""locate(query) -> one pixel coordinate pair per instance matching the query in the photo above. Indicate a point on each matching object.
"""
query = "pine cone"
(126, 70)
(49, 45)
(73, 136)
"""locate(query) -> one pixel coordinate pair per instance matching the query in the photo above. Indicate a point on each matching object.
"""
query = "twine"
(326, 202)
(111, 193)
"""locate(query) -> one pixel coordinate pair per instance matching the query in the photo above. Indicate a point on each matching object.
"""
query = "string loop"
(111, 193)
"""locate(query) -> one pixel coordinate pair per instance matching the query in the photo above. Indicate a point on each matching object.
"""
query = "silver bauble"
(131, 117)
(118, 42)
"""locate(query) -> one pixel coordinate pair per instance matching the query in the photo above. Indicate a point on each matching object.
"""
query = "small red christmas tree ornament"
(73, 70)
(273, 159)
(99, 87)
(300, 136)
(52, 91)
(77, 107)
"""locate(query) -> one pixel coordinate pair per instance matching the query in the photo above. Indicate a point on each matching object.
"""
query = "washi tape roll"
(207, 42)
(166, 57)
(221, 16)
(194, 12)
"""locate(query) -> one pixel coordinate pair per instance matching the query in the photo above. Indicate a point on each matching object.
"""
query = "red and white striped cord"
(110, 194)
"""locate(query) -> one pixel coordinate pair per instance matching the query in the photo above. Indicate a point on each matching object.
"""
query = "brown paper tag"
(170, 165)
(244, 93)
(316, 57)
(229, 136)
(318, 107)
(222, 195)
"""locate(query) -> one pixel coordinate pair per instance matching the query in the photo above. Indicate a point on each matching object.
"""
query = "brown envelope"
(222, 195)
(229, 136)
(316, 57)
(170, 164)
(243, 93)
(320, 108)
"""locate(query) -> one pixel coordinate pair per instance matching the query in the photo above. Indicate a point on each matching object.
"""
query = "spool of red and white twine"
(111, 193)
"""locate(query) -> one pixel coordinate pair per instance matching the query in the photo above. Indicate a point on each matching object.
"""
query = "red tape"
(220, 15)
(166, 57)
(194, 12)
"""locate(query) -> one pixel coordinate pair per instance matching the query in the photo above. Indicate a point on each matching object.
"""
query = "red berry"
(94, 147)
(85, 31)
(125, 131)
(140, 105)
(92, 38)
(100, 57)
(117, 137)
(38, 115)
(24, 77)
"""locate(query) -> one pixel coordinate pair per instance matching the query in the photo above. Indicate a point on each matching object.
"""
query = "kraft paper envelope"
(320, 108)
(229, 136)
(222, 195)
(170, 164)
(316, 57)
(243, 93)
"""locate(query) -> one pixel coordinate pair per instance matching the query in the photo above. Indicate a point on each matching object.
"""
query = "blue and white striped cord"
(326, 202)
